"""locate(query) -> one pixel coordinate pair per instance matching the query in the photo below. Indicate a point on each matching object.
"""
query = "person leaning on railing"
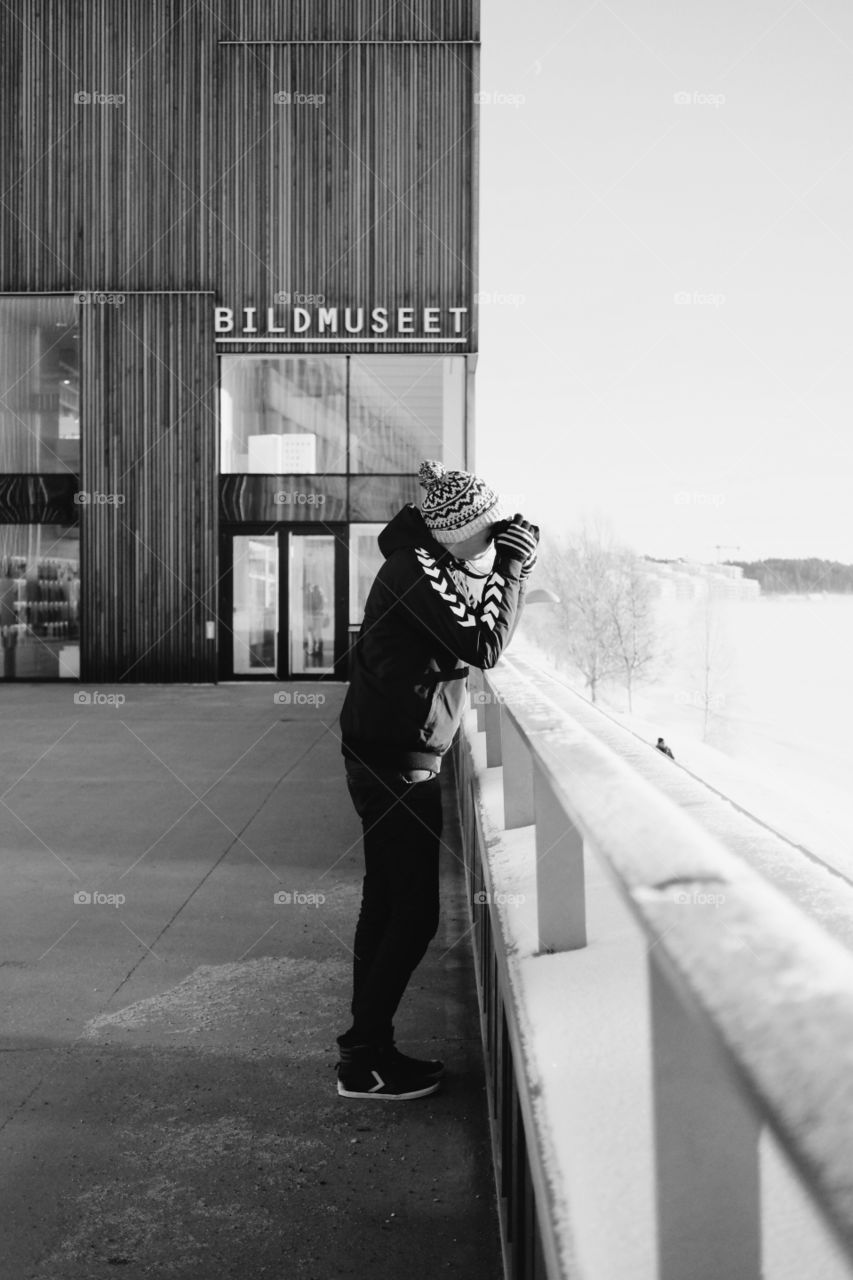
(422, 630)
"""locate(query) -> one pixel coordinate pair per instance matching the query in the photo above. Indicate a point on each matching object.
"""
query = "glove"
(518, 540)
(528, 566)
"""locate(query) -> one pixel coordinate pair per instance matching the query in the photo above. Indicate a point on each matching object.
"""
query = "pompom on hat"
(457, 504)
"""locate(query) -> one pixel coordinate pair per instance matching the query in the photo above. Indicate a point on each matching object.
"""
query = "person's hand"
(528, 566)
(518, 540)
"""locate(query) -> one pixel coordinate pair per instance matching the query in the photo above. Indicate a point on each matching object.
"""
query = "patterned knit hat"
(457, 504)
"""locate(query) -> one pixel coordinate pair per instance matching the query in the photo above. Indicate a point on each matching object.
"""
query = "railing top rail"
(774, 988)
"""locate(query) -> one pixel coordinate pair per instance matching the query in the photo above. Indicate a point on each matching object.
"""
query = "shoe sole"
(388, 1097)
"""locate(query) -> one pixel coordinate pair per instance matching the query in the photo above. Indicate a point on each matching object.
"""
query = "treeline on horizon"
(786, 576)
(798, 575)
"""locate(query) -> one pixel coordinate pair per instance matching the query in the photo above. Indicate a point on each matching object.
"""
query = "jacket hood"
(407, 529)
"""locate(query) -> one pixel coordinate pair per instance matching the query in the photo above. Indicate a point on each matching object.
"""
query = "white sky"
(725, 420)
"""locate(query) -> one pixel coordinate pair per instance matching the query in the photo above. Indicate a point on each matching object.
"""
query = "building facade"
(238, 248)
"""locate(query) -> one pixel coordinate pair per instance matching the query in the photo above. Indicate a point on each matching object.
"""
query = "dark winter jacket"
(422, 630)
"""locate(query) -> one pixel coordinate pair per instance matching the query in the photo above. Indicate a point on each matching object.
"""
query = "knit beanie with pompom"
(457, 503)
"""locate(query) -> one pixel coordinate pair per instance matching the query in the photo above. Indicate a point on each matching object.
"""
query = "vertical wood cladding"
(347, 174)
(107, 143)
(367, 196)
(349, 20)
(148, 530)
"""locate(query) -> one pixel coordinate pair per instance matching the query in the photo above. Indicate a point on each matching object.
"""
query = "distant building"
(686, 580)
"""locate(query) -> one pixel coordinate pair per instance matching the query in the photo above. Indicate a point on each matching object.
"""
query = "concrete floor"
(167, 1098)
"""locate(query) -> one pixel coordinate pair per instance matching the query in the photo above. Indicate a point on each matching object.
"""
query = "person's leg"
(372, 921)
(400, 906)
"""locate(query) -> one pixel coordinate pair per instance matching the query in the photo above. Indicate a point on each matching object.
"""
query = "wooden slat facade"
(359, 20)
(198, 189)
(200, 180)
(366, 198)
(148, 530)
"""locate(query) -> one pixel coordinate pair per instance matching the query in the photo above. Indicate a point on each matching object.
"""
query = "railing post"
(492, 726)
(706, 1150)
(560, 885)
(478, 695)
(518, 773)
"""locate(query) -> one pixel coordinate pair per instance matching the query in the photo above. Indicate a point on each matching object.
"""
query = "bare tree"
(710, 660)
(578, 570)
(604, 624)
(632, 615)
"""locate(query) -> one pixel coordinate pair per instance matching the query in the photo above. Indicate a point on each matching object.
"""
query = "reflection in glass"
(283, 415)
(39, 601)
(255, 605)
(380, 497)
(39, 385)
(404, 409)
(312, 604)
(365, 559)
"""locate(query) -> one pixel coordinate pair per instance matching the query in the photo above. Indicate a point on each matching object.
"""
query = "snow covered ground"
(778, 740)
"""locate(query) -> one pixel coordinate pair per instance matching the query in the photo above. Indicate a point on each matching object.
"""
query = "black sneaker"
(425, 1066)
(371, 1071)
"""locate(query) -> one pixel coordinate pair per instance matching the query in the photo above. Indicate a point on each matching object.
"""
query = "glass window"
(404, 409)
(288, 415)
(283, 415)
(39, 385)
(39, 601)
(365, 559)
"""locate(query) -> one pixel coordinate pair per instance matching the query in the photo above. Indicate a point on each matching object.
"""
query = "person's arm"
(476, 634)
(526, 570)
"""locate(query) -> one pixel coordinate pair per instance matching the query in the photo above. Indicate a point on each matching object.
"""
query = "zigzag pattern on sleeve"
(437, 580)
(492, 593)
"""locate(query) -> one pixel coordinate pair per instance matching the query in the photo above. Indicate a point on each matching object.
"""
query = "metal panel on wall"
(290, 499)
(148, 476)
(38, 499)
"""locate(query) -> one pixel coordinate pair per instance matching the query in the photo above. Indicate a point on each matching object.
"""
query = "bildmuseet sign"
(340, 324)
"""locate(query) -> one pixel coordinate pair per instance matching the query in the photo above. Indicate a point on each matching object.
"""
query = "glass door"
(284, 603)
(311, 603)
(254, 605)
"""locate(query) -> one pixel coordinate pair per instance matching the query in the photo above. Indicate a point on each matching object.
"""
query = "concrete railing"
(669, 1037)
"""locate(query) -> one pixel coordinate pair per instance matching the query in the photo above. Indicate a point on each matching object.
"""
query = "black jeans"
(400, 903)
